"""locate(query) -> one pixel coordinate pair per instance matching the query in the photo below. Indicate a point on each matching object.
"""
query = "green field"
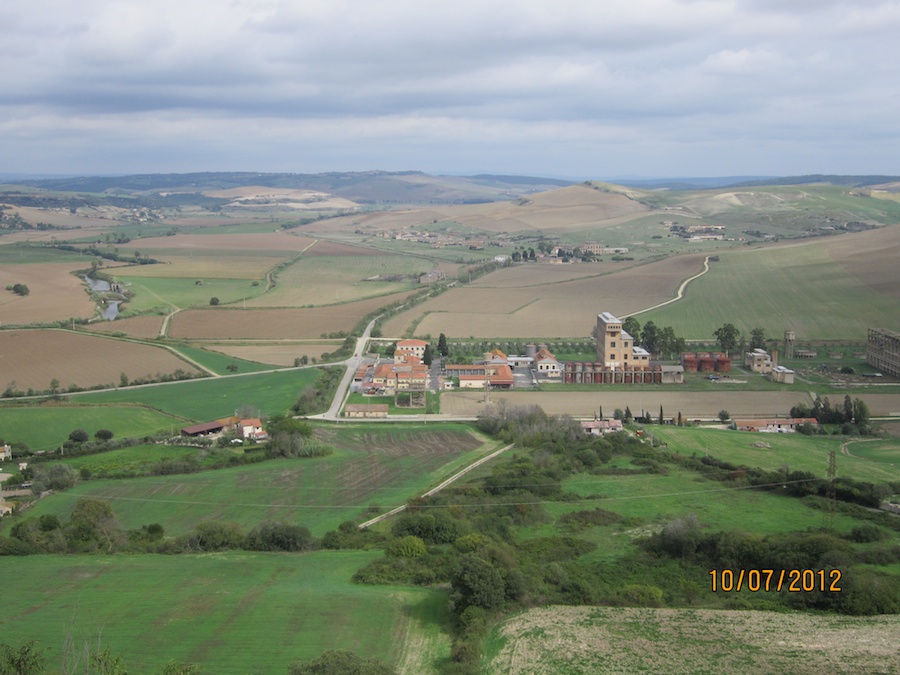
(133, 459)
(798, 288)
(153, 292)
(20, 254)
(212, 398)
(46, 427)
(370, 466)
(798, 452)
(232, 613)
(219, 363)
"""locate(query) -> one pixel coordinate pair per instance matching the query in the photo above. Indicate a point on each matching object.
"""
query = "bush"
(213, 301)
(338, 662)
(279, 537)
(103, 435)
(78, 436)
(406, 547)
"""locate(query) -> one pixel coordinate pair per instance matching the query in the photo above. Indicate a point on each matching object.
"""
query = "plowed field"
(146, 327)
(277, 354)
(55, 293)
(32, 358)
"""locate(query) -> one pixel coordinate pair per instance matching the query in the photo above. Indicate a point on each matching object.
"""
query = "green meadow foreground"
(234, 613)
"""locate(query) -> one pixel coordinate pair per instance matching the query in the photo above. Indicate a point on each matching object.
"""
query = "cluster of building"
(883, 351)
(619, 360)
(250, 429)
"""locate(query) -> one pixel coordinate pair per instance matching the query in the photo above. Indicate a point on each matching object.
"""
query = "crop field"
(692, 404)
(209, 265)
(46, 427)
(232, 613)
(32, 358)
(625, 640)
(219, 363)
(271, 244)
(563, 309)
(876, 462)
(273, 324)
(135, 459)
(383, 467)
(277, 354)
(321, 280)
(796, 287)
(146, 327)
(55, 293)
(211, 398)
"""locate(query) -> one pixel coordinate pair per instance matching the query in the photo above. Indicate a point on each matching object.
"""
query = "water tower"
(789, 338)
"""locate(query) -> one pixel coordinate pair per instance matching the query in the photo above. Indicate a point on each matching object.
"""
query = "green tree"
(757, 338)
(727, 336)
(661, 418)
(214, 301)
(650, 337)
(427, 356)
(443, 348)
(724, 416)
(632, 326)
(860, 412)
(103, 434)
(78, 436)
(476, 582)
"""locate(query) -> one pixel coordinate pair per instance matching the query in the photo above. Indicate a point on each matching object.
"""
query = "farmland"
(273, 324)
(278, 353)
(46, 427)
(493, 307)
(55, 294)
(228, 612)
(212, 398)
(797, 287)
(577, 639)
(32, 358)
(385, 467)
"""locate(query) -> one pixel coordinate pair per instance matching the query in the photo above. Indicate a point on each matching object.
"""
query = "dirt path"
(679, 294)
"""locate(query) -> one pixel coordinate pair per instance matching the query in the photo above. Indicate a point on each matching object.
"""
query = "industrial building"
(883, 351)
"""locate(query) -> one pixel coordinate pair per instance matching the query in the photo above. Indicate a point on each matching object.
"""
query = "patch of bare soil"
(630, 640)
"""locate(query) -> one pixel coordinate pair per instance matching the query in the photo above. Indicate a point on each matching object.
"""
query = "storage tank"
(689, 363)
(706, 364)
(723, 364)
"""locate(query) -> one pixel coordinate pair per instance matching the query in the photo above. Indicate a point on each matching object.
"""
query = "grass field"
(234, 613)
(46, 427)
(220, 363)
(169, 292)
(131, 460)
(623, 640)
(798, 287)
(370, 466)
(877, 462)
(212, 398)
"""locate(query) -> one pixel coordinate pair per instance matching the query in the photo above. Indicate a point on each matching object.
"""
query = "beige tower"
(614, 346)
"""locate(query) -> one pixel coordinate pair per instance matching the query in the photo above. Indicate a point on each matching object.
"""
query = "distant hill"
(366, 187)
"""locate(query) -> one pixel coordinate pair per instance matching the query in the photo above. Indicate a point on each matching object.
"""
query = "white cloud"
(501, 85)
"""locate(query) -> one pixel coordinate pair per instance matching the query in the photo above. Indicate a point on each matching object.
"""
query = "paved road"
(352, 365)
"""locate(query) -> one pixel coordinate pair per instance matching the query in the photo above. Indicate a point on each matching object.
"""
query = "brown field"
(289, 198)
(630, 640)
(272, 324)
(332, 248)
(31, 358)
(691, 404)
(145, 327)
(282, 354)
(55, 294)
(279, 243)
(872, 257)
(491, 307)
(86, 218)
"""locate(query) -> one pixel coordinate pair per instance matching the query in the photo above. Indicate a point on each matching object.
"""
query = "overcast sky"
(564, 88)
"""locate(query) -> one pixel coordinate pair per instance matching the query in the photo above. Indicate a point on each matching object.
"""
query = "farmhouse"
(252, 429)
(759, 361)
(498, 376)
(778, 426)
(5, 453)
(414, 347)
(208, 428)
(388, 378)
(883, 351)
(367, 410)
(600, 427)
(546, 364)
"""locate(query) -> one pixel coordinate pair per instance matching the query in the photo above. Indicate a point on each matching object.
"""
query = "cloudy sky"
(565, 88)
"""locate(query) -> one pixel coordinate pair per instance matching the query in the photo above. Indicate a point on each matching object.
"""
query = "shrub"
(406, 547)
(279, 537)
(213, 301)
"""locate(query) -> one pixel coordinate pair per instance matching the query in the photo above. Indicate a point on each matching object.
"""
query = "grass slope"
(798, 288)
(233, 613)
